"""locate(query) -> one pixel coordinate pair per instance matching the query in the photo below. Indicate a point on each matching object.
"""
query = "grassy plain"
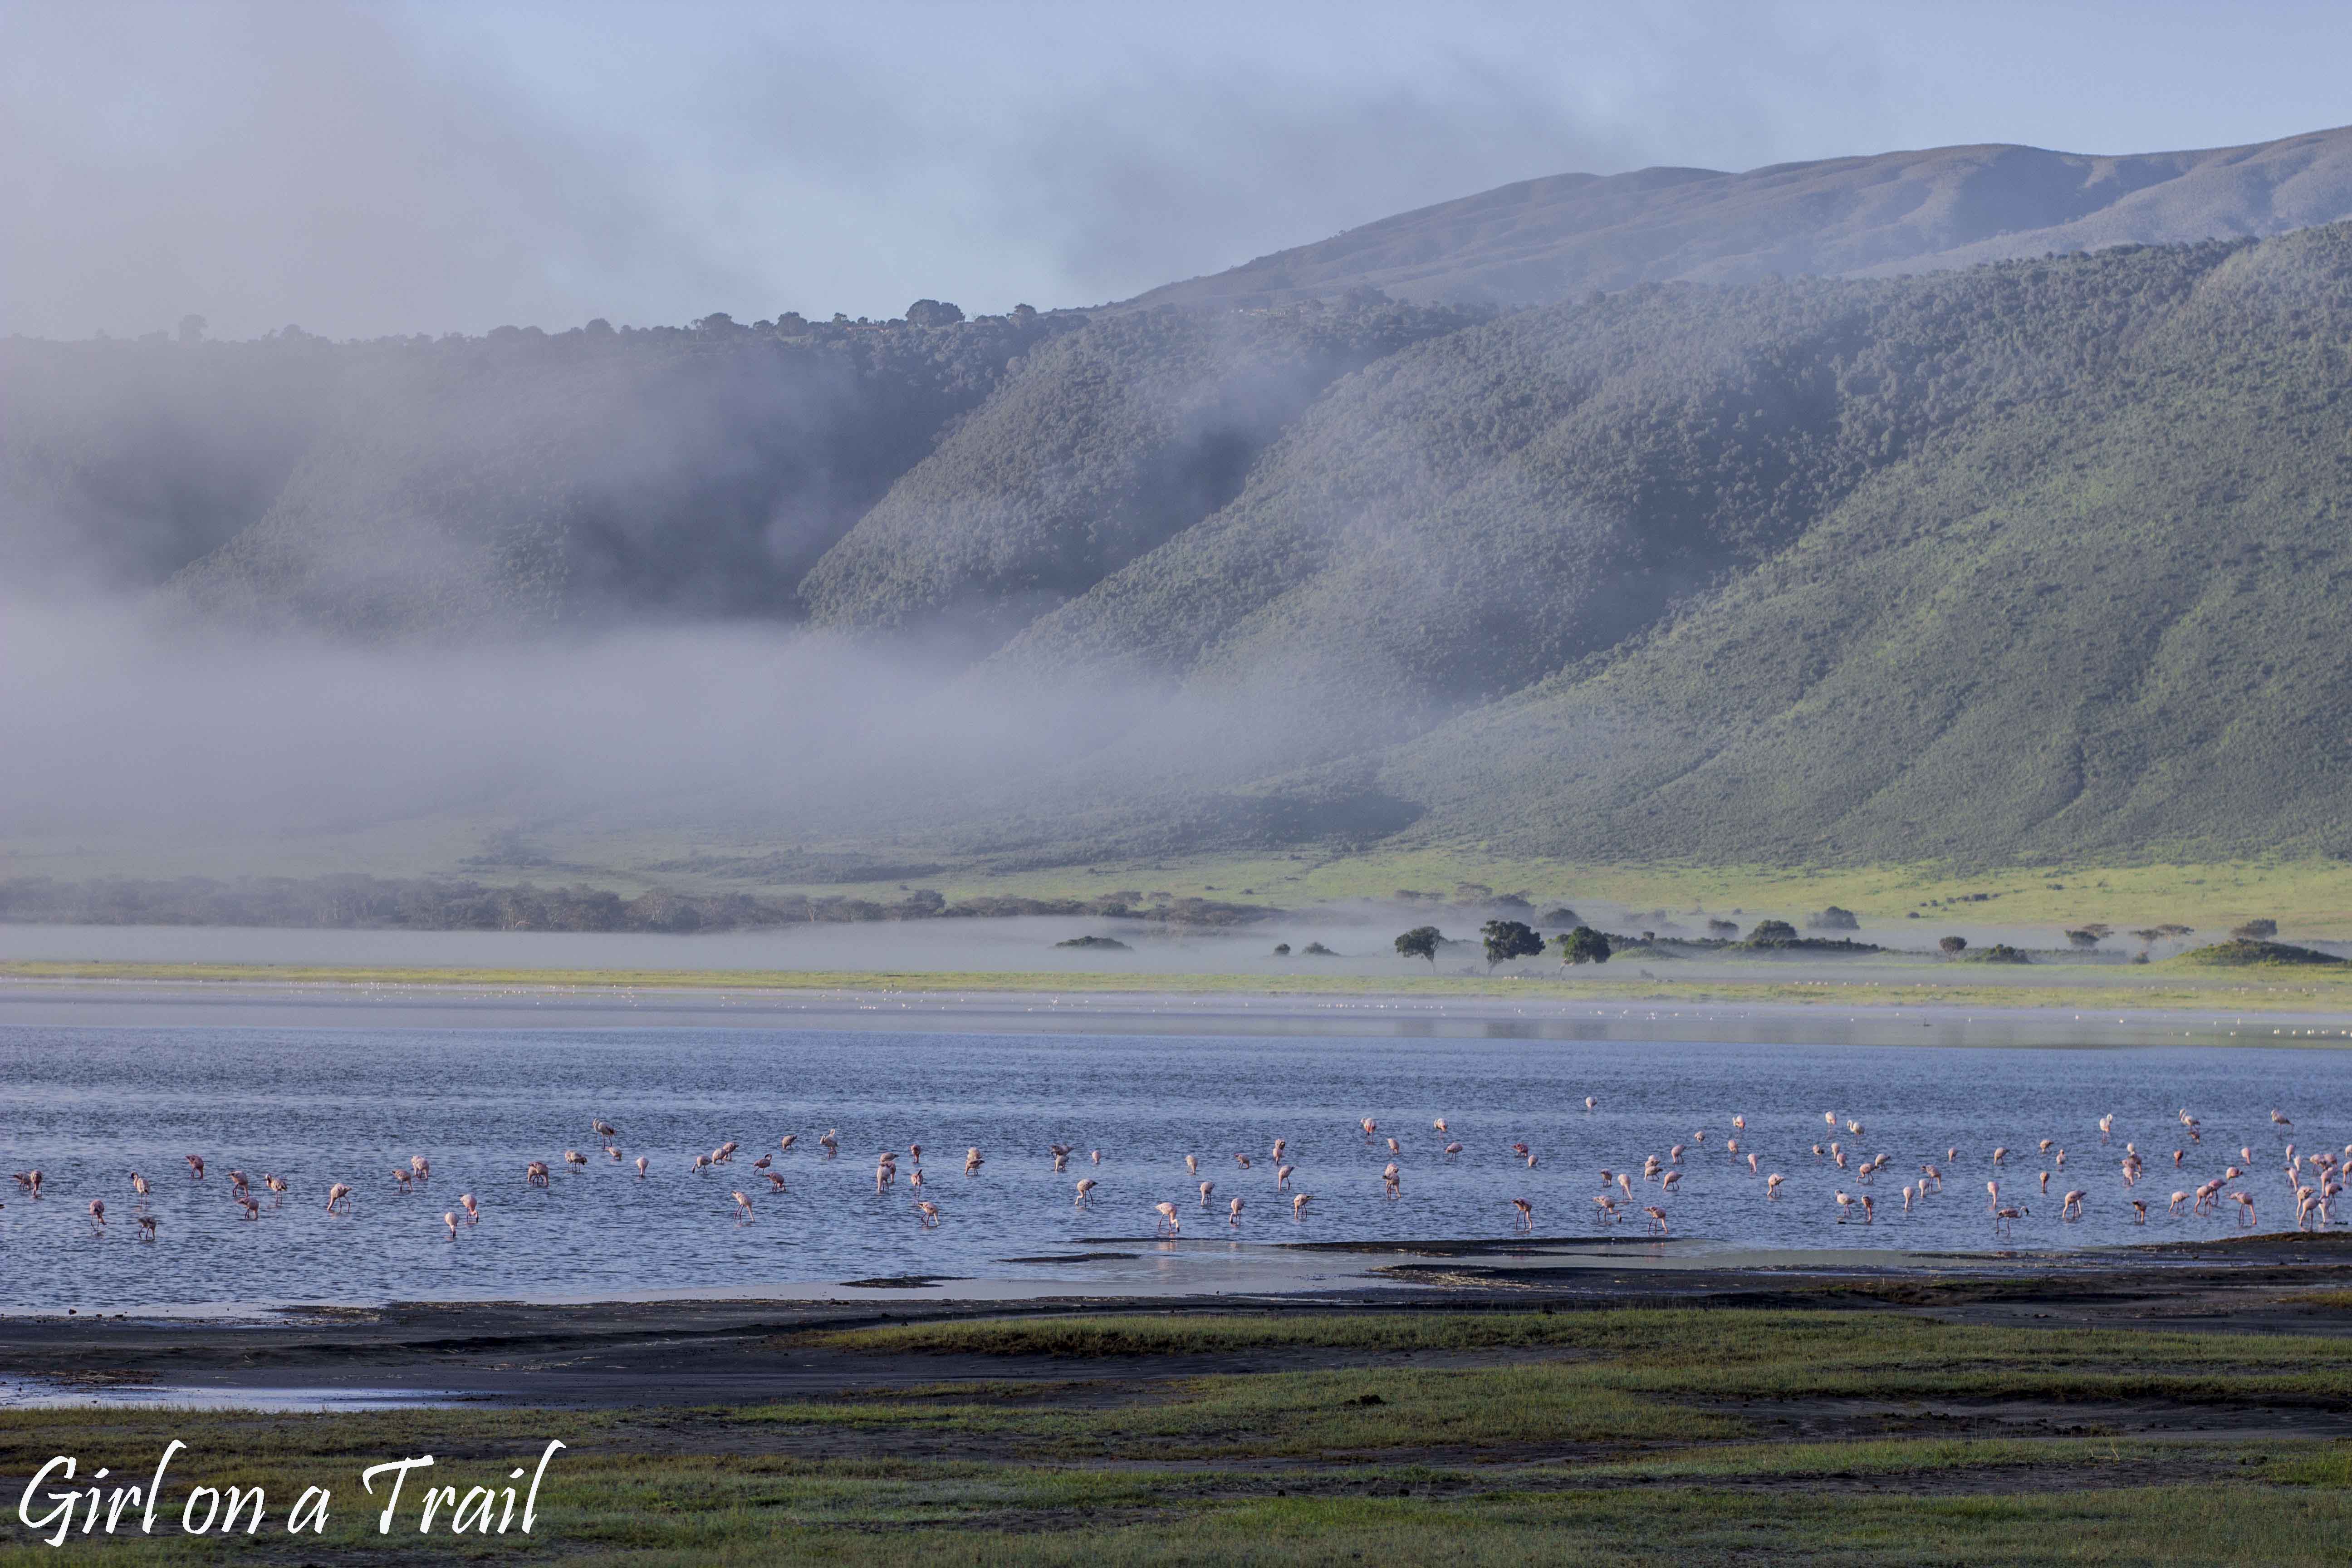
(1617, 1436)
(2168, 985)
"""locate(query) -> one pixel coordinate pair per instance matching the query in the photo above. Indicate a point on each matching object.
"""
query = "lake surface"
(88, 1106)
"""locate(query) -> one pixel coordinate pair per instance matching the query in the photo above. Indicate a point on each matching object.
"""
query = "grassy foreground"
(1616, 1436)
(2172, 985)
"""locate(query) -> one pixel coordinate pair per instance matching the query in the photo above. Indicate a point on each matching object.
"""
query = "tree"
(1835, 918)
(1765, 933)
(192, 328)
(2089, 936)
(1954, 944)
(934, 313)
(2255, 930)
(1722, 930)
(1584, 945)
(1421, 941)
(1507, 940)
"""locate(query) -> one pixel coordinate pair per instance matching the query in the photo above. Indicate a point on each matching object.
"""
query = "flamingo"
(2000, 1155)
(1391, 1180)
(1906, 1197)
(1454, 1148)
(535, 1174)
(743, 1207)
(1526, 1212)
(1657, 1219)
(472, 1207)
(725, 1154)
(1772, 1184)
(574, 1157)
(2245, 1208)
(1740, 1124)
(1670, 1180)
(1992, 1195)
(915, 1152)
(1206, 1188)
(1439, 1126)
(2107, 1126)
(449, 1218)
(276, 1185)
(1168, 1221)
(2177, 1199)
(423, 1167)
(641, 1167)
(1845, 1207)
(1279, 1145)
(1282, 1177)
(1591, 1103)
(929, 1213)
(29, 1182)
(2139, 1211)
(139, 1185)
(1234, 1211)
(972, 1162)
(764, 1162)
(195, 1167)
(784, 1144)
(146, 1226)
(1369, 1127)
(602, 1128)
(1751, 1162)
(339, 1198)
(702, 1163)
(97, 1215)
(1243, 1161)
(776, 1183)
(1298, 1205)
(2071, 1206)
(830, 1142)
(1086, 1184)
(1095, 1155)
(1392, 1147)
(2003, 1220)
(2280, 1120)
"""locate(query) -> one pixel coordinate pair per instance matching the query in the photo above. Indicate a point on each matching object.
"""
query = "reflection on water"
(88, 1107)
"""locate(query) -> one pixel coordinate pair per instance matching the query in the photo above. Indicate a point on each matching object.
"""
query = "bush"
(1954, 944)
(2255, 930)
(1834, 918)
(1725, 931)
(1765, 933)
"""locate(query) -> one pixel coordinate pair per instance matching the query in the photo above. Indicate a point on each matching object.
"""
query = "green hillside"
(1102, 445)
(2098, 616)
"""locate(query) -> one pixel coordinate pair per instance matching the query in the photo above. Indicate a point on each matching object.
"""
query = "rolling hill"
(1544, 241)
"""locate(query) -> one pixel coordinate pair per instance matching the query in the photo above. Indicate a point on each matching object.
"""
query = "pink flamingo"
(472, 1207)
(2071, 1205)
(1657, 1220)
(339, 1198)
(641, 1167)
(776, 1183)
(1454, 1148)
(146, 1226)
(1168, 1220)
(972, 1162)
(1234, 1211)
(929, 1213)
(1086, 1185)
(195, 1167)
(1282, 1177)
(784, 1144)
(1206, 1188)
(1298, 1205)
(421, 1166)
(535, 1174)
(449, 1218)
(276, 1185)
(743, 1207)
(97, 1215)
(1772, 1184)
(1526, 1212)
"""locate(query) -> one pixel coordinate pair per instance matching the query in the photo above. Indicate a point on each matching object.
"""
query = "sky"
(359, 170)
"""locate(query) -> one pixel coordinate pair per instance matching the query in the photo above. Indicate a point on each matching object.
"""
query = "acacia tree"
(1954, 943)
(1421, 941)
(1584, 945)
(1506, 940)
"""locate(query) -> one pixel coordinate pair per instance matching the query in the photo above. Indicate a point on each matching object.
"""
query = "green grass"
(1638, 1443)
(2165, 987)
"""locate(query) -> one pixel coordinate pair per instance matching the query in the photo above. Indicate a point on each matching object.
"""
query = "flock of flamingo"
(2314, 1178)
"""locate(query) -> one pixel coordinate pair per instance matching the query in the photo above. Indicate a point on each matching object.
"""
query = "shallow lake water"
(88, 1106)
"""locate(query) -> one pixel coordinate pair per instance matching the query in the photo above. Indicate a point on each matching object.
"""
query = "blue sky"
(361, 169)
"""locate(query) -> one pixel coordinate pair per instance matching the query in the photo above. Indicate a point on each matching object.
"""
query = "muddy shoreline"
(686, 1353)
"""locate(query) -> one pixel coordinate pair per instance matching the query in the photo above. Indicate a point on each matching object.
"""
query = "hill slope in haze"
(1544, 241)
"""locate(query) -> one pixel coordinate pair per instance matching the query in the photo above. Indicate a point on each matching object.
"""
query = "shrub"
(1954, 944)
(1421, 941)
(1834, 918)
(1584, 945)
